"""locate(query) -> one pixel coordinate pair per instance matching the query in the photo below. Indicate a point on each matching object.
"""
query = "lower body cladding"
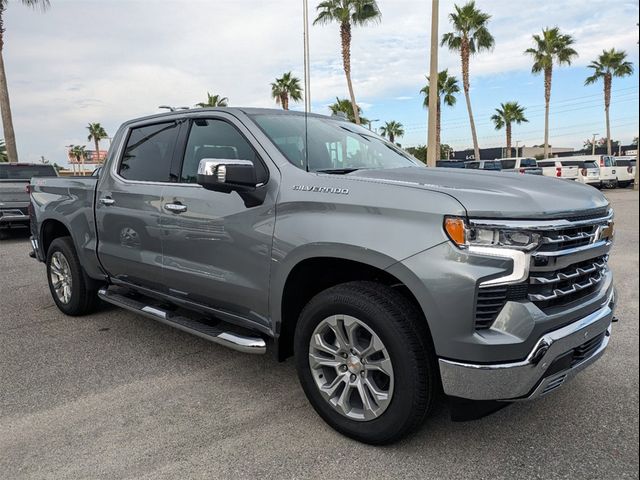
(555, 359)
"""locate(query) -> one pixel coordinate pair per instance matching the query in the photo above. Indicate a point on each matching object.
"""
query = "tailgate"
(570, 172)
(13, 192)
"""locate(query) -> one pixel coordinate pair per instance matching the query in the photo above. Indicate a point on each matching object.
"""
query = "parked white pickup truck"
(555, 168)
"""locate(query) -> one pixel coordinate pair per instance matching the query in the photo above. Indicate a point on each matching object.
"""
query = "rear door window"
(609, 161)
(547, 164)
(148, 154)
(473, 165)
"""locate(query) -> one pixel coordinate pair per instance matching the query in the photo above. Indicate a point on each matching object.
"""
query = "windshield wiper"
(338, 171)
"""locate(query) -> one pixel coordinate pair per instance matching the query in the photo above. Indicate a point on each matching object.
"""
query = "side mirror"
(227, 175)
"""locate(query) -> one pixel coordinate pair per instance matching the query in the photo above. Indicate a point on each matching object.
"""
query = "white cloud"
(112, 60)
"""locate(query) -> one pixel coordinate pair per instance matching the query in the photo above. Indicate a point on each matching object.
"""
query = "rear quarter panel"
(69, 201)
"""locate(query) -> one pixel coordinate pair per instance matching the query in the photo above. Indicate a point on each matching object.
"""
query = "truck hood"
(496, 194)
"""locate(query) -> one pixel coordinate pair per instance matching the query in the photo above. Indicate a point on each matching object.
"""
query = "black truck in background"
(14, 193)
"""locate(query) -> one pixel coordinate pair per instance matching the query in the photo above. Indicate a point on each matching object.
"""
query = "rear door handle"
(107, 201)
(175, 207)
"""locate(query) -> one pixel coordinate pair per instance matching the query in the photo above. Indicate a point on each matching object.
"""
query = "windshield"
(25, 172)
(492, 166)
(332, 144)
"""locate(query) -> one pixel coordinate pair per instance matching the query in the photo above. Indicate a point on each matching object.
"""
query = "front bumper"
(541, 372)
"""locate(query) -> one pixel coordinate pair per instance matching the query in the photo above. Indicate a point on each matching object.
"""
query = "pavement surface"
(115, 395)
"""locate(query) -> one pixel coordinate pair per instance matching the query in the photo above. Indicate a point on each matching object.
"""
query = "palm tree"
(447, 89)
(505, 116)
(348, 13)
(470, 36)
(286, 88)
(5, 105)
(550, 47)
(610, 64)
(345, 107)
(214, 101)
(79, 152)
(3, 152)
(96, 133)
(392, 130)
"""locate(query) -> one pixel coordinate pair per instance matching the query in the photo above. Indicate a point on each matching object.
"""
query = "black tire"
(402, 329)
(84, 295)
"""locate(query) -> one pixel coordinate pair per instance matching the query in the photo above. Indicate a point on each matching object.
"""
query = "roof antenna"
(307, 82)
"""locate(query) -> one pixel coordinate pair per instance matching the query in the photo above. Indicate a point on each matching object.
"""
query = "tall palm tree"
(5, 105)
(447, 89)
(392, 130)
(470, 36)
(610, 64)
(96, 133)
(508, 114)
(79, 152)
(214, 101)
(552, 47)
(345, 107)
(286, 88)
(348, 13)
(3, 152)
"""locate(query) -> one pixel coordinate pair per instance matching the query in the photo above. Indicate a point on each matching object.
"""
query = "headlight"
(464, 236)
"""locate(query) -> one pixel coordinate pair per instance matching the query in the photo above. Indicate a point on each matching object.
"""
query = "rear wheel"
(70, 288)
(365, 361)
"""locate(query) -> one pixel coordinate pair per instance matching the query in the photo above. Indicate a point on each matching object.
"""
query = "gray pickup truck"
(14, 197)
(389, 282)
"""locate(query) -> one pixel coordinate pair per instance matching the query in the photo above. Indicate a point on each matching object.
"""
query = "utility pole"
(517, 143)
(635, 183)
(593, 144)
(432, 154)
(307, 79)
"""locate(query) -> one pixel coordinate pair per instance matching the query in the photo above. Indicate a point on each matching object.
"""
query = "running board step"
(233, 340)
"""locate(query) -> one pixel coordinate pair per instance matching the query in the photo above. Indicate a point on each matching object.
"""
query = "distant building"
(90, 163)
(618, 150)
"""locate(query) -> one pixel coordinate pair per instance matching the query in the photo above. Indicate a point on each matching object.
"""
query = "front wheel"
(70, 288)
(365, 361)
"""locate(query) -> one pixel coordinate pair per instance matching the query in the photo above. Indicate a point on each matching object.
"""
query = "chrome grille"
(573, 237)
(569, 265)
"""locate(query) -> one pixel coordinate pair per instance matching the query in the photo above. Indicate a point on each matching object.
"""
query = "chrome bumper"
(12, 215)
(526, 379)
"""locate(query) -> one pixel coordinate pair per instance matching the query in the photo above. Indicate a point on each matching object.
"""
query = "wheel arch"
(310, 274)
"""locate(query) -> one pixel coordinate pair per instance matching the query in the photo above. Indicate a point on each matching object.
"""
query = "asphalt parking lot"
(115, 395)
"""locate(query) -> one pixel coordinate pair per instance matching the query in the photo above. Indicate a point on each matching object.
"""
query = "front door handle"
(107, 201)
(175, 207)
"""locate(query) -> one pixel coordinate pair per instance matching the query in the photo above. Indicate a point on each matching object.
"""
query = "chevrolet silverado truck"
(14, 195)
(390, 283)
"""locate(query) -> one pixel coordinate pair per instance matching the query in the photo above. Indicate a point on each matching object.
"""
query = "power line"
(554, 113)
(559, 103)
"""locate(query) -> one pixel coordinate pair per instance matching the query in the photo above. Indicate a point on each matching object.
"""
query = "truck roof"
(245, 110)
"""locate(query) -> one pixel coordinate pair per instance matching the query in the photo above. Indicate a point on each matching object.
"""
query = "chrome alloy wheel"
(61, 278)
(351, 367)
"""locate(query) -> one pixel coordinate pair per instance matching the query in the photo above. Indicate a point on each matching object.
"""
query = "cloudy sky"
(110, 60)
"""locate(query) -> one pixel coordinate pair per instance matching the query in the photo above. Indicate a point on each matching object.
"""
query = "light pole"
(593, 143)
(372, 122)
(432, 154)
(307, 79)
